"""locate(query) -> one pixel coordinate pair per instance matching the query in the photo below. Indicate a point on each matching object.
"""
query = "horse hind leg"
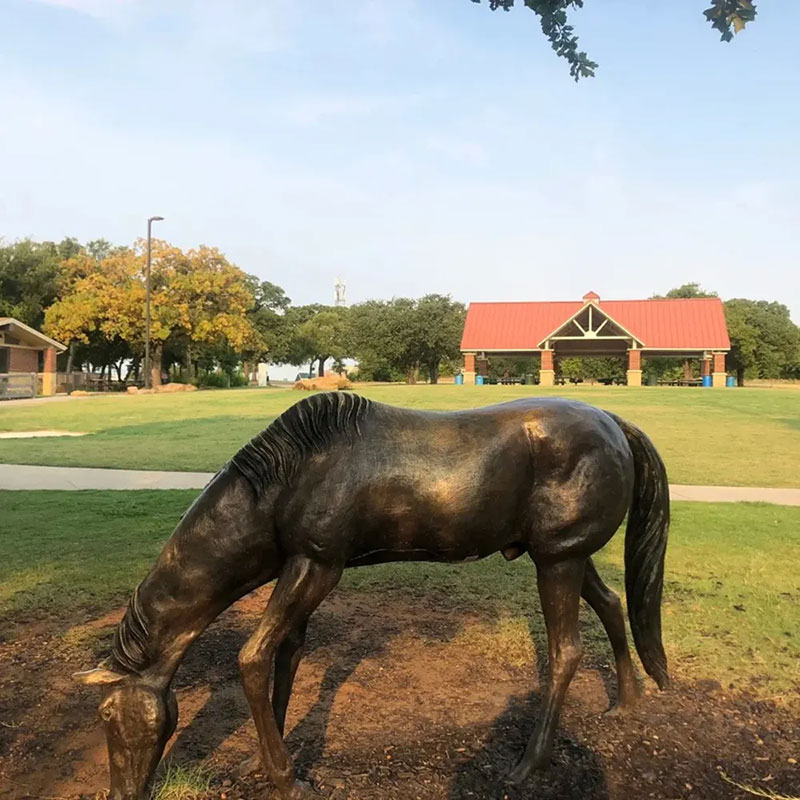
(606, 604)
(302, 586)
(560, 593)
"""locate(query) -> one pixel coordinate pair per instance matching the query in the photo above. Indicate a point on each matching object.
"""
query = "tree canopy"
(727, 16)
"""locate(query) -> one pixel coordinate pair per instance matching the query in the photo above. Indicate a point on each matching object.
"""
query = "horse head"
(138, 718)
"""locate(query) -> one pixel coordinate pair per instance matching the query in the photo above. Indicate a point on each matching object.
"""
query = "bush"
(221, 380)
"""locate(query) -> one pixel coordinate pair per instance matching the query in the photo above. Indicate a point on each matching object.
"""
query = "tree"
(439, 323)
(764, 340)
(684, 292)
(29, 279)
(325, 335)
(198, 299)
(384, 337)
(269, 318)
(727, 16)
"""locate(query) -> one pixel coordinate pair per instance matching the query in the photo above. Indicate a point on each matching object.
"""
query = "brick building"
(25, 352)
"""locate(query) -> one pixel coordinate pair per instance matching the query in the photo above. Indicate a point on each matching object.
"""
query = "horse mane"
(129, 649)
(305, 429)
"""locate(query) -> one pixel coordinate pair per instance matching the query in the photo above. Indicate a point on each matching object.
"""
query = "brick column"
(705, 367)
(469, 368)
(482, 366)
(547, 373)
(634, 367)
(49, 374)
(719, 374)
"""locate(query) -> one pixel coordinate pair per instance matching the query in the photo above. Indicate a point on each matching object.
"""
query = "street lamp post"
(147, 380)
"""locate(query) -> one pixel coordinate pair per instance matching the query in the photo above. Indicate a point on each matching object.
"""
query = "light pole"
(147, 381)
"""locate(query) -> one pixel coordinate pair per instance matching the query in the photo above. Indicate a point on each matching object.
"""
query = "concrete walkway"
(17, 476)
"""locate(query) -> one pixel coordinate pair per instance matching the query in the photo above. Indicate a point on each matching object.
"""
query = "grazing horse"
(340, 481)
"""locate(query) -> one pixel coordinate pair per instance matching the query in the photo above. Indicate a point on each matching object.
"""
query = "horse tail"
(645, 547)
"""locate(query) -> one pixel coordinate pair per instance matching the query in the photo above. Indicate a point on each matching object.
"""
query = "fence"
(16, 385)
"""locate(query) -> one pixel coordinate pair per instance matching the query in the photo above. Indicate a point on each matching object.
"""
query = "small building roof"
(29, 336)
(683, 324)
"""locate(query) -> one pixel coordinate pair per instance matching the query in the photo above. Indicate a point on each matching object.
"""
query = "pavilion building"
(634, 329)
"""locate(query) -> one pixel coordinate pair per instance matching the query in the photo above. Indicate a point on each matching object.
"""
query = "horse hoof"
(248, 767)
(519, 773)
(301, 791)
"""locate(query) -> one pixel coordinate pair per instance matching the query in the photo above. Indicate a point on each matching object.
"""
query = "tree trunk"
(740, 377)
(321, 361)
(188, 365)
(156, 352)
(433, 370)
(71, 360)
(118, 368)
(412, 375)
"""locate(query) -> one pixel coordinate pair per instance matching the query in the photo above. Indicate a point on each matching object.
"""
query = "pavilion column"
(719, 374)
(705, 366)
(634, 367)
(49, 374)
(469, 368)
(547, 372)
(482, 367)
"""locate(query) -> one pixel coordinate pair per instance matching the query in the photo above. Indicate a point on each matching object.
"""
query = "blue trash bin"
(459, 380)
(479, 380)
(730, 381)
(706, 380)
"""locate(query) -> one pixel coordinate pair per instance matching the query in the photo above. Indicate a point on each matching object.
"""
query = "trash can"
(706, 380)
(730, 381)
(479, 380)
(459, 380)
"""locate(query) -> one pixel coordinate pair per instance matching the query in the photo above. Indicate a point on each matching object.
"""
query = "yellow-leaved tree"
(197, 298)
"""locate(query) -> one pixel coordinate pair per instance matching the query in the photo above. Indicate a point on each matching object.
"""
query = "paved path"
(14, 476)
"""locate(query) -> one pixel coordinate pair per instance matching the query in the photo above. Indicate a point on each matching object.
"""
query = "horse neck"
(181, 594)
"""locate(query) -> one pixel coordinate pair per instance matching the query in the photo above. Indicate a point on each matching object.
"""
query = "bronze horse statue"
(548, 477)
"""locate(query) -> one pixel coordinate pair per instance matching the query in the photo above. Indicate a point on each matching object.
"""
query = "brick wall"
(21, 359)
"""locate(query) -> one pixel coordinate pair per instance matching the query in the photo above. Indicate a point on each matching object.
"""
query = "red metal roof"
(690, 324)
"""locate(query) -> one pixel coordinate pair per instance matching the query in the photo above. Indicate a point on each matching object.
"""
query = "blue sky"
(412, 146)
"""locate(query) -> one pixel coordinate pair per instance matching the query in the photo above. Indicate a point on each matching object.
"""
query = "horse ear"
(99, 676)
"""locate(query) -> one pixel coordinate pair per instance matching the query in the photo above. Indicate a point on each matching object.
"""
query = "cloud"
(103, 9)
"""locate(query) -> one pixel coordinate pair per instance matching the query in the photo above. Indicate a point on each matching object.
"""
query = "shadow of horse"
(332, 635)
(576, 772)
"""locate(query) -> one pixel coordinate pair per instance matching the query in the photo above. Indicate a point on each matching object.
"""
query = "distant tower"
(340, 290)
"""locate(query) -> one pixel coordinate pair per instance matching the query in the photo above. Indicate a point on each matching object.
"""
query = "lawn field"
(735, 437)
(732, 597)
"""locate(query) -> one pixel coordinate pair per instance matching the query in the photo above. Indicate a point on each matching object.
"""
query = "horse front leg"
(302, 586)
(287, 660)
(560, 594)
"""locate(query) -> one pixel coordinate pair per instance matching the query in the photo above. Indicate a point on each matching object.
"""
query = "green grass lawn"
(736, 437)
(731, 612)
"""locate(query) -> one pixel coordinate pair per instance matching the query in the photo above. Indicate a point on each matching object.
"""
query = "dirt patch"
(395, 699)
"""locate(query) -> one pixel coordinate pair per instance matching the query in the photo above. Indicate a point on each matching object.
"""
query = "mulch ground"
(387, 706)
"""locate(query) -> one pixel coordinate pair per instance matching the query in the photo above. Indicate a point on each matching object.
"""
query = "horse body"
(338, 481)
(458, 486)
